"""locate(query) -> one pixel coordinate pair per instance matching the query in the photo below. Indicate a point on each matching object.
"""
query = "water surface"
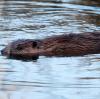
(48, 77)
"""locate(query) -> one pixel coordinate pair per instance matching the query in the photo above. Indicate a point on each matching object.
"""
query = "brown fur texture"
(62, 45)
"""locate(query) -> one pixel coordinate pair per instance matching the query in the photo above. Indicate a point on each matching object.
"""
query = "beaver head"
(22, 49)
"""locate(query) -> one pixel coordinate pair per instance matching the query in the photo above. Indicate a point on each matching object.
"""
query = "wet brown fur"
(62, 45)
(73, 44)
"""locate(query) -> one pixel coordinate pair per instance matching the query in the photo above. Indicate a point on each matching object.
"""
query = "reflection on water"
(48, 77)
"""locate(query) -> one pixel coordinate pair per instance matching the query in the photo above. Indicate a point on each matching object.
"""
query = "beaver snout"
(5, 51)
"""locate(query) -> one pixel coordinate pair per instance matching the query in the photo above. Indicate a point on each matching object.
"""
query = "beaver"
(59, 45)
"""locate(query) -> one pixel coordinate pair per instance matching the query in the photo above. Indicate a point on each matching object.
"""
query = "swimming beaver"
(62, 45)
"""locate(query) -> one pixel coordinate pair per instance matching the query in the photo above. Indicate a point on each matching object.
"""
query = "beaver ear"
(34, 44)
(19, 47)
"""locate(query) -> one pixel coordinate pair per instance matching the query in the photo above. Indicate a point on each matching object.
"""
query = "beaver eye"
(19, 48)
(34, 44)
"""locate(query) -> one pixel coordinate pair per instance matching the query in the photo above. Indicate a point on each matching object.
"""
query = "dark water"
(49, 77)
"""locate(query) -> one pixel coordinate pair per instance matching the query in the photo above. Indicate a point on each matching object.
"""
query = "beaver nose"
(2, 52)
